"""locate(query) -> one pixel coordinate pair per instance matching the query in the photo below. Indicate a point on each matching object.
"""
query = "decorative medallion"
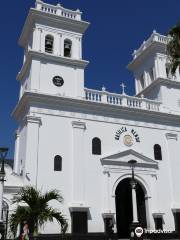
(58, 81)
(128, 140)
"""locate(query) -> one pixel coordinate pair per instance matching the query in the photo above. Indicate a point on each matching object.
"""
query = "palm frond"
(37, 211)
(19, 215)
(28, 195)
(49, 215)
(52, 195)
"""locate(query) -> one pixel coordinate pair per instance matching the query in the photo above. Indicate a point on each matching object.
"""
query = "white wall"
(56, 138)
(43, 81)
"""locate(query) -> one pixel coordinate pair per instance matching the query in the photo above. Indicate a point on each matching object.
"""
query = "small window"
(21, 168)
(67, 48)
(157, 152)
(58, 163)
(151, 74)
(96, 146)
(49, 42)
(142, 81)
(168, 71)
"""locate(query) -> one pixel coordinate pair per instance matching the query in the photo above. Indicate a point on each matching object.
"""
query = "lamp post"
(135, 222)
(3, 154)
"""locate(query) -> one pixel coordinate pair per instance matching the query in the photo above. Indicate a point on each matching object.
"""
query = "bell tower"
(52, 42)
(151, 70)
(52, 69)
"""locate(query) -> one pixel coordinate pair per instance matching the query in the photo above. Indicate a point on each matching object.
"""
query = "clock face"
(58, 81)
(128, 141)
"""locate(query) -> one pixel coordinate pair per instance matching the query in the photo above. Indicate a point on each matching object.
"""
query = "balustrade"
(155, 37)
(121, 100)
(58, 10)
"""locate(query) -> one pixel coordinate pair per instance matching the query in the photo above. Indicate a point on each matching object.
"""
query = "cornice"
(88, 107)
(32, 119)
(133, 64)
(52, 19)
(156, 82)
(49, 57)
(12, 189)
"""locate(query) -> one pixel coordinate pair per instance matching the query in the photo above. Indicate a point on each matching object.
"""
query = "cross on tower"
(123, 88)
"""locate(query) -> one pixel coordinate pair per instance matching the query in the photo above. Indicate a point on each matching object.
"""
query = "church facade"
(82, 141)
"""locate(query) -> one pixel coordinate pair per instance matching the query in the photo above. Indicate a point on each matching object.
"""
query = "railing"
(155, 37)
(58, 10)
(121, 100)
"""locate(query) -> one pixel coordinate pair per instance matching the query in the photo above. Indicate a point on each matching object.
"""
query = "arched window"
(157, 152)
(49, 44)
(57, 163)
(96, 146)
(67, 48)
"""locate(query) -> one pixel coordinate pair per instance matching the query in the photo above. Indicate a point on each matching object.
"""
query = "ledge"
(78, 207)
(158, 214)
(156, 82)
(29, 98)
(172, 136)
(49, 57)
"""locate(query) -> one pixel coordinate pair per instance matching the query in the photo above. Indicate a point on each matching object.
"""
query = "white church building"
(82, 141)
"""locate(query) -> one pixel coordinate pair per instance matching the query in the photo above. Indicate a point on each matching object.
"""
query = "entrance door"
(123, 200)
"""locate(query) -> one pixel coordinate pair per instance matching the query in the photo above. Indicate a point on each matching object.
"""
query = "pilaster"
(107, 193)
(33, 124)
(173, 161)
(16, 153)
(79, 163)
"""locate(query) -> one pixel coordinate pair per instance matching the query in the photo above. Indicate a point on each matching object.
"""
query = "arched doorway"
(124, 207)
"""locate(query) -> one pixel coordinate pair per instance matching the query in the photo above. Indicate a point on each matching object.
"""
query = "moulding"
(49, 57)
(174, 210)
(64, 23)
(78, 124)
(172, 136)
(32, 119)
(78, 207)
(157, 214)
(156, 82)
(108, 214)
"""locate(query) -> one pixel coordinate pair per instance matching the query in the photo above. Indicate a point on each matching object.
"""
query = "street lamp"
(3, 154)
(132, 164)
(135, 222)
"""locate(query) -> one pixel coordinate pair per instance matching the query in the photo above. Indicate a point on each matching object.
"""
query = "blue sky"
(117, 28)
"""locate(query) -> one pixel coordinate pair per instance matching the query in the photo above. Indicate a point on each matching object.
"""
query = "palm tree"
(35, 210)
(173, 48)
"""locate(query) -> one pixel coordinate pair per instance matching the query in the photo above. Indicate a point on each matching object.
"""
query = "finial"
(154, 31)
(77, 10)
(123, 88)
(59, 5)
(103, 88)
(142, 95)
